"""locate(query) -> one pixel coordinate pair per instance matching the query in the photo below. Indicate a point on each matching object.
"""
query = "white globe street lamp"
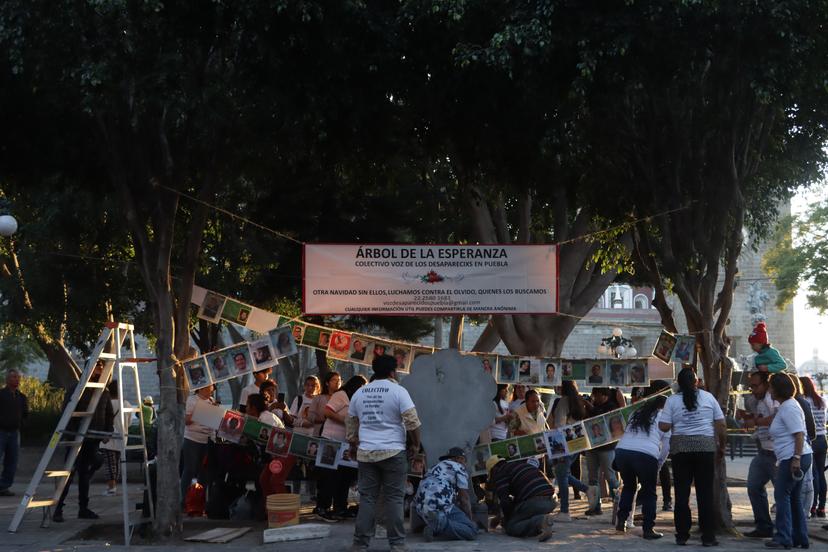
(8, 226)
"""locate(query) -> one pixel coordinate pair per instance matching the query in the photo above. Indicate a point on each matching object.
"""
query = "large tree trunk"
(170, 423)
(63, 371)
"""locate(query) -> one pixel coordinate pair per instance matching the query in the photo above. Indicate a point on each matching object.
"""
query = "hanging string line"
(235, 216)
(232, 215)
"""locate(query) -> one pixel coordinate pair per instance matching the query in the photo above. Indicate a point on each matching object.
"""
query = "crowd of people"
(684, 431)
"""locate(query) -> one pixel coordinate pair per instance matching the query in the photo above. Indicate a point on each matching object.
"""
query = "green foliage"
(45, 408)
(17, 349)
(799, 257)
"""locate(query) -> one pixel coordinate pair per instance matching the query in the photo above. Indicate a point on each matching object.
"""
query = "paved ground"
(593, 534)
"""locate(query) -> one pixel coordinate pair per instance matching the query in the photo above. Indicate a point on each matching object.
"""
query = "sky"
(810, 328)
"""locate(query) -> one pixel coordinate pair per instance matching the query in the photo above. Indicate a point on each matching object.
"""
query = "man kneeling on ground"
(442, 499)
(525, 495)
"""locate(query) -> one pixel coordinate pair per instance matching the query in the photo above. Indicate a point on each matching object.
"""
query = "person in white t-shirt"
(257, 408)
(258, 378)
(380, 417)
(196, 436)
(499, 429)
(639, 456)
(300, 407)
(699, 433)
(793, 457)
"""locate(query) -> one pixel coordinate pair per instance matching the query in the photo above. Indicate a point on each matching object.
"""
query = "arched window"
(641, 302)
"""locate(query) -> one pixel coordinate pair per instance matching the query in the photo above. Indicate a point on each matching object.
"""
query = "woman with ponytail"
(638, 457)
(570, 408)
(499, 429)
(698, 436)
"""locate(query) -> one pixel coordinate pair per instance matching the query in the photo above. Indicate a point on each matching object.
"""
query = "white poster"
(430, 279)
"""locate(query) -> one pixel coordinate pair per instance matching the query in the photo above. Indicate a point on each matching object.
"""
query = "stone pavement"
(583, 534)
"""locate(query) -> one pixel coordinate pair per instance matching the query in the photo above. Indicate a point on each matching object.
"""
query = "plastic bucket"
(283, 509)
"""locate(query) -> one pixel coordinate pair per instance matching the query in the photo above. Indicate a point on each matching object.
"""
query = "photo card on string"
(597, 431)
(220, 365)
(616, 424)
(211, 307)
(507, 369)
(596, 376)
(242, 363)
(488, 363)
(297, 329)
(403, 355)
(477, 462)
(232, 426)
(235, 312)
(361, 351)
(345, 457)
(261, 351)
(327, 456)
(340, 345)
(664, 347)
(279, 442)
(283, 341)
(551, 372)
(617, 371)
(576, 439)
(197, 374)
(525, 371)
(639, 373)
(685, 349)
(555, 443)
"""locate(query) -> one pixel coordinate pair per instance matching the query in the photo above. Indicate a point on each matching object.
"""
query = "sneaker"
(428, 533)
(110, 492)
(88, 514)
(667, 507)
(546, 528)
(563, 517)
(774, 544)
(629, 525)
(324, 515)
(714, 542)
(759, 534)
(820, 513)
(595, 511)
(57, 516)
(621, 526)
(652, 535)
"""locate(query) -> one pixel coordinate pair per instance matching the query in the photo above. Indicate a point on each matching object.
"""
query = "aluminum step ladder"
(108, 349)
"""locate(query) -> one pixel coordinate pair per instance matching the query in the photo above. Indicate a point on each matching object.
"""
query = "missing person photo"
(512, 450)
(550, 375)
(663, 349)
(525, 370)
(211, 307)
(298, 331)
(616, 425)
(638, 373)
(481, 454)
(241, 360)
(340, 345)
(597, 431)
(402, 354)
(566, 370)
(507, 370)
(417, 466)
(327, 455)
(279, 442)
(262, 354)
(219, 364)
(283, 341)
(685, 347)
(555, 443)
(596, 373)
(196, 371)
(488, 363)
(618, 374)
(358, 349)
(232, 426)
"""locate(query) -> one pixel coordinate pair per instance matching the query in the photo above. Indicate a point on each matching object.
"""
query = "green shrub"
(45, 408)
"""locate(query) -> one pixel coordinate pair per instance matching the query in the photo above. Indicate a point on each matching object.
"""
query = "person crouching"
(442, 499)
(525, 495)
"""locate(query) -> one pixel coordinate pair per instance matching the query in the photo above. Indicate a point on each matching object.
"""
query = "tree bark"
(455, 340)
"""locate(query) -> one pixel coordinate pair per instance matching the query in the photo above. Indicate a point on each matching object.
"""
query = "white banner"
(430, 279)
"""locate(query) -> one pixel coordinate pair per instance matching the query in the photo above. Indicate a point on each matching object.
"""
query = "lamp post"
(617, 345)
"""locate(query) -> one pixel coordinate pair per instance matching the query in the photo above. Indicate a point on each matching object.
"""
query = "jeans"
(564, 478)
(388, 475)
(601, 459)
(791, 527)
(527, 517)
(637, 467)
(694, 468)
(10, 451)
(86, 464)
(454, 525)
(820, 447)
(762, 470)
(192, 458)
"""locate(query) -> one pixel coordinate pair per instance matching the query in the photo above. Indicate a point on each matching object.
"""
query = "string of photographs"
(281, 335)
(564, 441)
(233, 426)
